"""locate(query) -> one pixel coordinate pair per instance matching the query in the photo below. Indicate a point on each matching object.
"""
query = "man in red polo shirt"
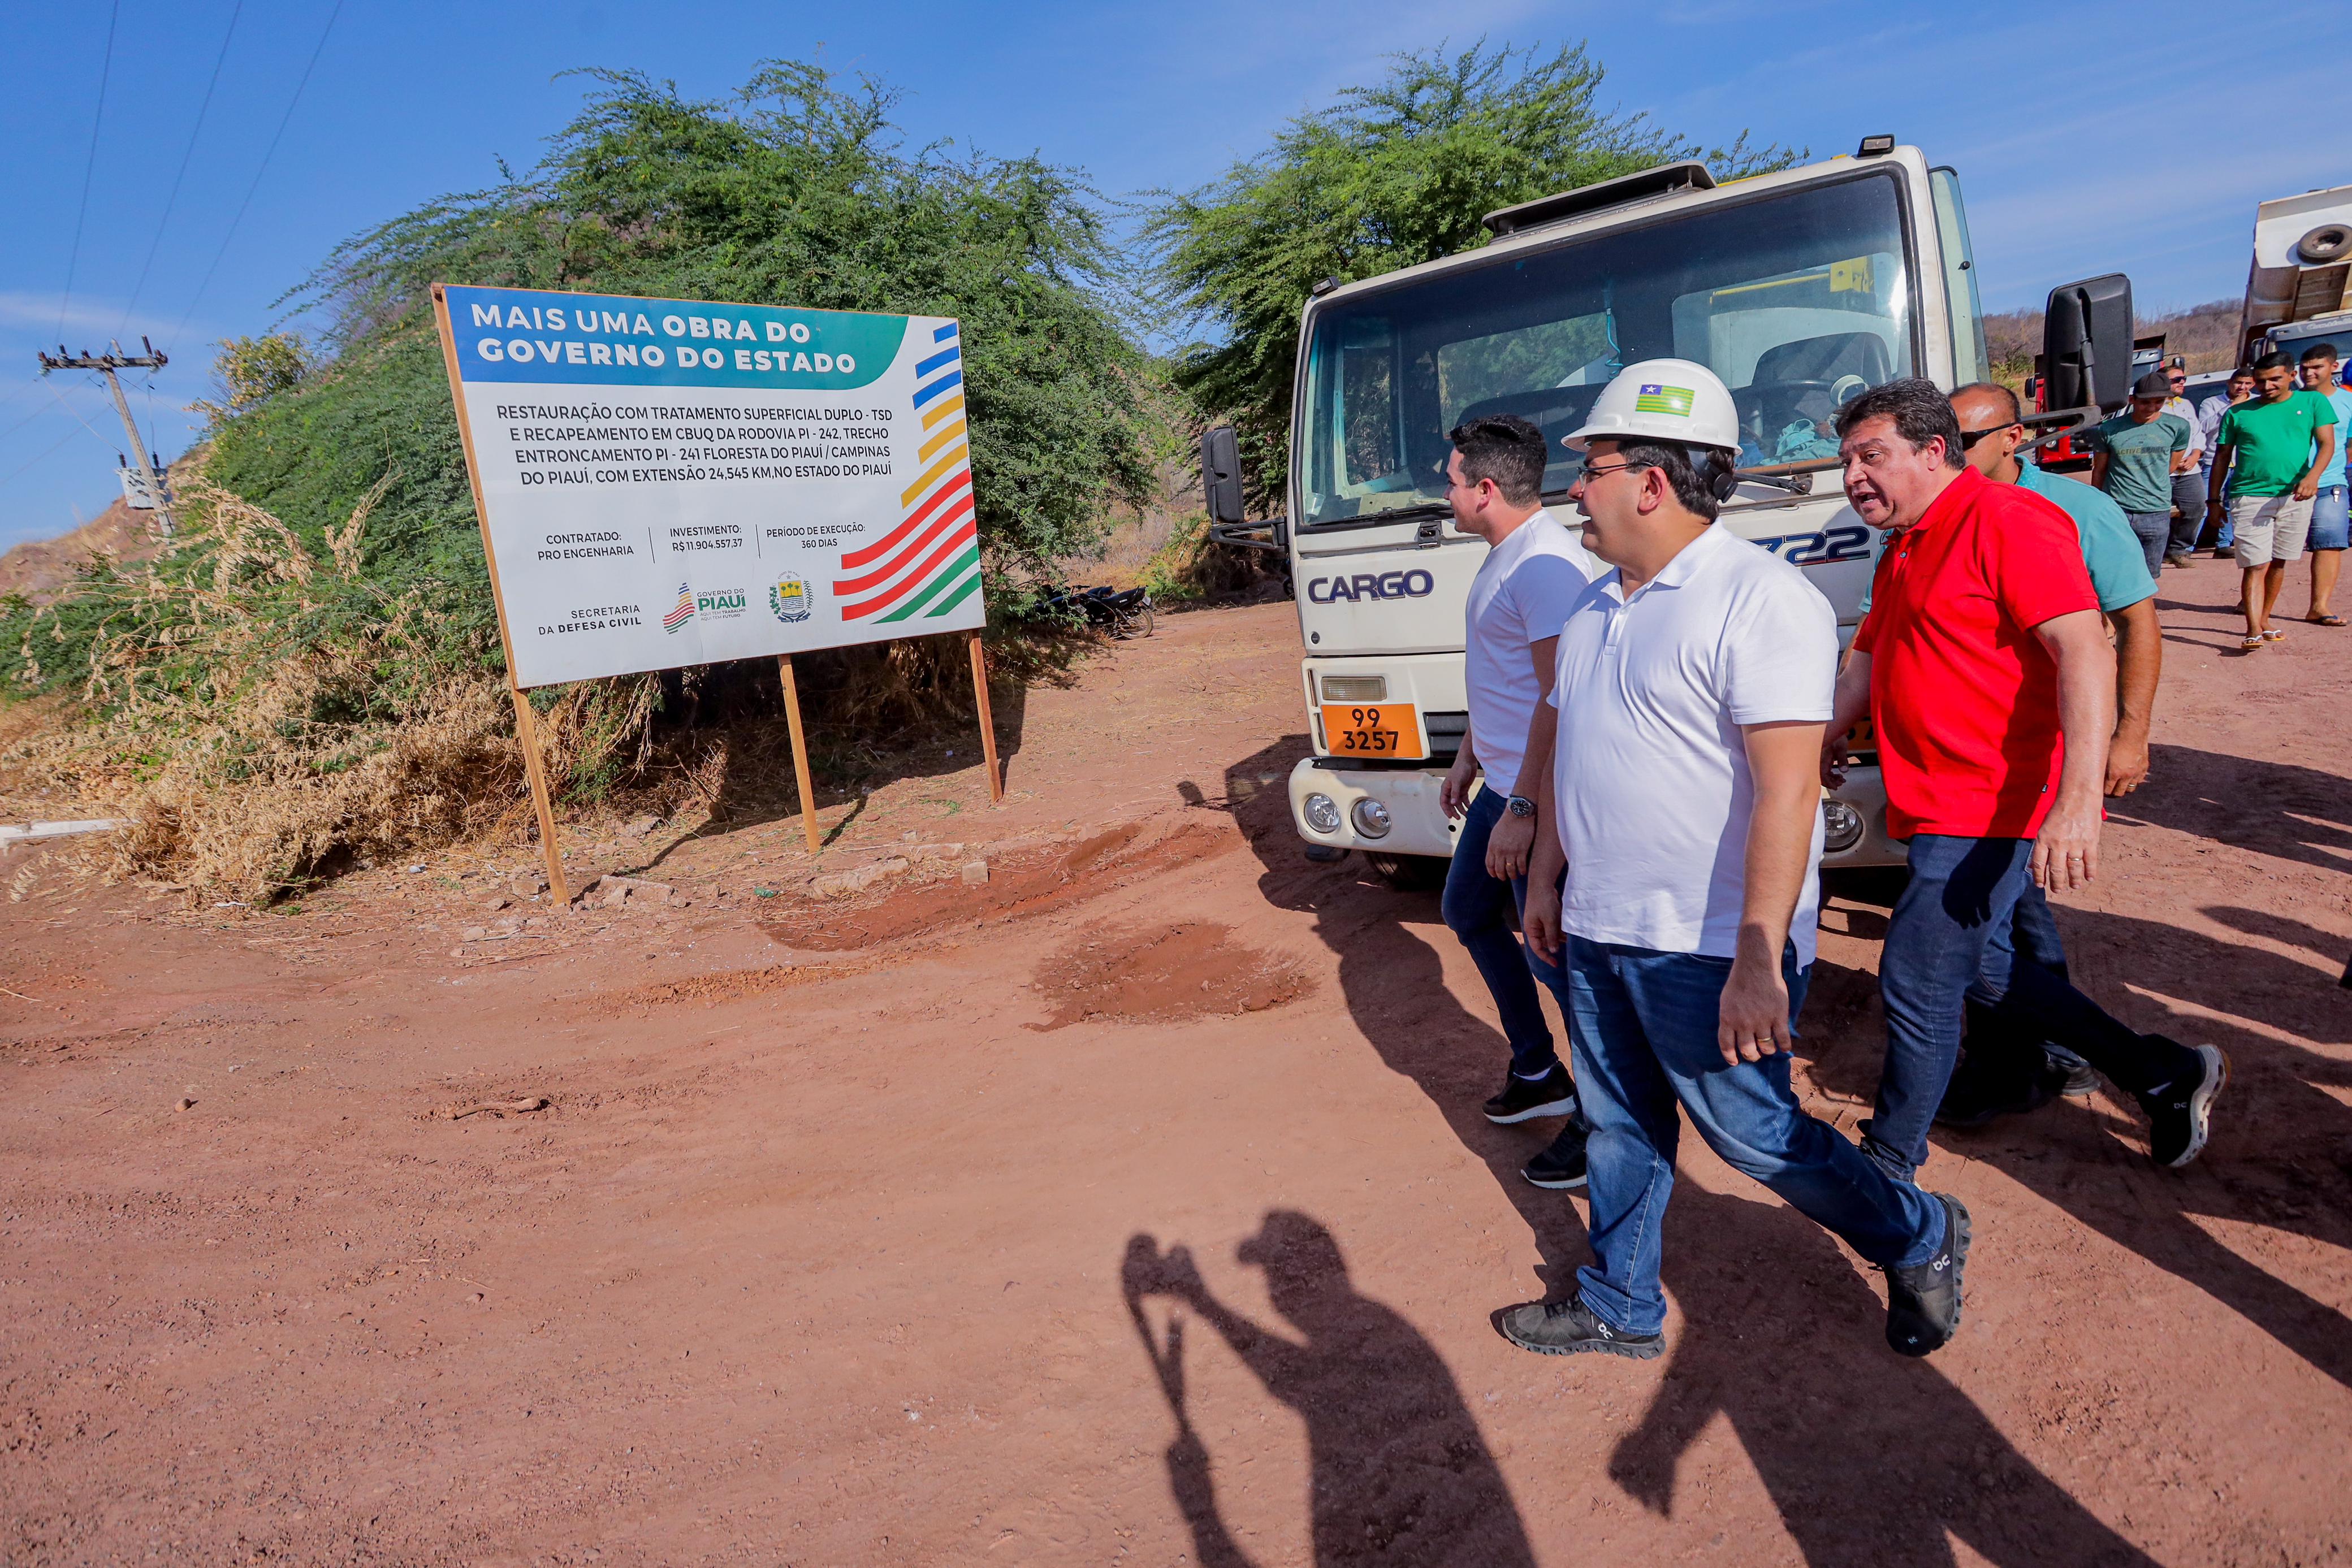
(1986, 669)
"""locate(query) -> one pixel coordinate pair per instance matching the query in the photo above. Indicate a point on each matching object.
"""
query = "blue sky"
(2100, 141)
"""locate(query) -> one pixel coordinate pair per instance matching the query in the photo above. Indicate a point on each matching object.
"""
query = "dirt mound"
(39, 568)
(1031, 882)
(725, 986)
(1143, 974)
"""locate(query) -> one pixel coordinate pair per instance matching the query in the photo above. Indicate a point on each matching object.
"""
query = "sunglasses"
(1969, 438)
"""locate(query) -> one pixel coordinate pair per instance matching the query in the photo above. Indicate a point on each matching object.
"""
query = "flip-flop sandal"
(2273, 635)
(2324, 620)
(2253, 643)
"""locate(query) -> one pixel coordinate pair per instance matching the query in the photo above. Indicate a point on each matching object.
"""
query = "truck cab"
(1799, 289)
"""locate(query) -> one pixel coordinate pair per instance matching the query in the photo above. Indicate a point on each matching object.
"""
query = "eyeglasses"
(1594, 470)
(1969, 438)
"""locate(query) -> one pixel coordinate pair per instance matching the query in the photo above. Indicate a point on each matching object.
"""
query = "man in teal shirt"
(2282, 443)
(2134, 455)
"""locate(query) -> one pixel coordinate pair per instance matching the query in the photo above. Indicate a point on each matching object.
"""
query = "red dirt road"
(851, 1233)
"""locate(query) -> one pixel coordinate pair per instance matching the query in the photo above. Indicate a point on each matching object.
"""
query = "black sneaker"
(1923, 1301)
(1561, 1163)
(1566, 1328)
(2181, 1119)
(1525, 1099)
(1978, 1097)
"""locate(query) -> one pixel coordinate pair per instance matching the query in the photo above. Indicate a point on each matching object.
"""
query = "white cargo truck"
(2296, 290)
(1799, 289)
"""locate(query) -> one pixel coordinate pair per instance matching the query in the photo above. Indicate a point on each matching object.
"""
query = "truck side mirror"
(2087, 343)
(1220, 474)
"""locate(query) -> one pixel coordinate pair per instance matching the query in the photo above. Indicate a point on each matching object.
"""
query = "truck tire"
(1410, 873)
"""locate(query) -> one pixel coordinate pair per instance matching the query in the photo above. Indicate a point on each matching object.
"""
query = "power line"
(258, 173)
(193, 132)
(89, 165)
(21, 468)
(76, 413)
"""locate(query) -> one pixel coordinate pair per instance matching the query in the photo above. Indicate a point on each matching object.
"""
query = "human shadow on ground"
(1869, 1457)
(1398, 1469)
(1390, 974)
(2279, 808)
(2281, 1155)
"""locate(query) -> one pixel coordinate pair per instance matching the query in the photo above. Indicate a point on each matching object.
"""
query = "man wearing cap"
(2134, 458)
(1694, 679)
(1534, 572)
(1985, 668)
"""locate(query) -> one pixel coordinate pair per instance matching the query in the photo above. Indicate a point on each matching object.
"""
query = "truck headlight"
(1372, 817)
(1841, 826)
(1323, 813)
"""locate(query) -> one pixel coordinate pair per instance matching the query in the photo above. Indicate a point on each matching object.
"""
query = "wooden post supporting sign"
(527, 731)
(800, 749)
(987, 722)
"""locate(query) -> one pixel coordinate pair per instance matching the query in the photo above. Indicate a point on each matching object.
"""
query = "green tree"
(1389, 176)
(248, 371)
(313, 669)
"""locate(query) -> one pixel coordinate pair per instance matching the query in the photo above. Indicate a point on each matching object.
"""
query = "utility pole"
(107, 364)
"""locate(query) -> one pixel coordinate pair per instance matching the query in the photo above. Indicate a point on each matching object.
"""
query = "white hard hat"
(1664, 399)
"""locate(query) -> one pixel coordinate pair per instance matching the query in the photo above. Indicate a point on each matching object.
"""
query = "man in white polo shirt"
(1534, 572)
(1696, 680)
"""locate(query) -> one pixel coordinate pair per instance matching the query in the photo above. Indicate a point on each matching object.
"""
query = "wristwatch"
(1520, 806)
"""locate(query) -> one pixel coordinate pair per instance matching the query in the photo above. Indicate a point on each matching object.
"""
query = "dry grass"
(256, 760)
(279, 758)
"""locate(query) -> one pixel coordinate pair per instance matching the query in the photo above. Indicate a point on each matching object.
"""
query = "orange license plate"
(1373, 729)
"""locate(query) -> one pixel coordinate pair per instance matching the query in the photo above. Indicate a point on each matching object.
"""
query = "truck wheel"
(1410, 873)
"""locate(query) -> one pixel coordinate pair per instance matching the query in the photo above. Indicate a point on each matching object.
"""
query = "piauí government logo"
(682, 612)
(721, 603)
(790, 599)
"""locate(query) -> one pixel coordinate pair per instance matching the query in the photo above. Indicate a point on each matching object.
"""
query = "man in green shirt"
(2279, 442)
(2134, 455)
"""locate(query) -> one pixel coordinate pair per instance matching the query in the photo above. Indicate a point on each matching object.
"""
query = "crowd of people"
(1656, 704)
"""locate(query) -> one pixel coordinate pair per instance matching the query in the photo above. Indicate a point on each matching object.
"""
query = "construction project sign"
(669, 482)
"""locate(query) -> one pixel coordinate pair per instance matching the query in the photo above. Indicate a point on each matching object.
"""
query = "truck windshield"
(1799, 302)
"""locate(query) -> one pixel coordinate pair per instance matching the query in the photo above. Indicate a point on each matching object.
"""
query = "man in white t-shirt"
(2188, 469)
(1696, 680)
(1534, 572)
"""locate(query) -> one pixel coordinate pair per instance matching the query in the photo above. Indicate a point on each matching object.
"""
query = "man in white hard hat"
(1693, 685)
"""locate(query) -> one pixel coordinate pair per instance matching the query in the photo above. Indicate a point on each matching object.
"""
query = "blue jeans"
(2229, 534)
(1643, 1028)
(1960, 902)
(1483, 911)
(2189, 501)
(2331, 520)
(2154, 530)
(2025, 1001)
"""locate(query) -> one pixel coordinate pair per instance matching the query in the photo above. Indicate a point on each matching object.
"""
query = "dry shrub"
(254, 757)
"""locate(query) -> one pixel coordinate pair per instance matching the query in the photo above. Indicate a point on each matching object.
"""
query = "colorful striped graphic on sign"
(682, 612)
(1655, 399)
(930, 563)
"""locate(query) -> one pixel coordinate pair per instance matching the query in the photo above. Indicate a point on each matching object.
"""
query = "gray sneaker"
(1570, 1327)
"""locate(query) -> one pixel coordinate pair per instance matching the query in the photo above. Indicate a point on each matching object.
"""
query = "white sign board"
(667, 482)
